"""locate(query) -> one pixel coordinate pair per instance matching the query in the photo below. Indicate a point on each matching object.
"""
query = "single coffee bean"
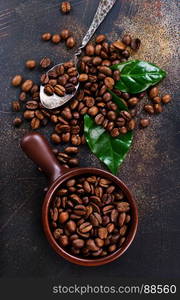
(28, 115)
(27, 85)
(65, 33)
(15, 106)
(55, 38)
(149, 108)
(123, 230)
(49, 89)
(121, 219)
(45, 62)
(59, 90)
(153, 92)
(110, 227)
(156, 99)
(70, 42)
(35, 123)
(71, 226)
(166, 99)
(17, 121)
(115, 132)
(17, 80)
(90, 50)
(158, 108)
(31, 104)
(123, 206)
(55, 138)
(63, 217)
(46, 36)
(99, 119)
(133, 101)
(30, 64)
(102, 233)
(78, 243)
(80, 210)
(135, 44)
(65, 7)
(57, 233)
(119, 45)
(100, 38)
(83, 77)
(126, 39)
(131, 124)
(109, 82)
(22, 96)
(63, 241)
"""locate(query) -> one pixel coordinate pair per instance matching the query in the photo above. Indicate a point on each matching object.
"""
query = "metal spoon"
(54, 101)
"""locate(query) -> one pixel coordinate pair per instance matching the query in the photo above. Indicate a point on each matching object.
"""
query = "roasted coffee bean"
(17, 80)
(131, 124)
(78, 243)
(133, 101)
(100, 38)
(49, 89)
(63, 241)
(135, 44)
(123, 230)
(71, 226)
(102, 233)
(80, 210)
(15, 106)
(55, 138)
(114, 215)
(57, 233)
(63, 217)
(123, 206)
(166, 99)
(153, 92)
(30, 64)
(126, 39)
(56, 38)
(99, 119)
(45, 62)
(85, 227)
(65, 33)
(65, 7)
(109, 82)
(32, 105)
(89, 50)
(70, 42)
(17, 121)
(46, 36)
(59, 90)
(149, 108)
(93, 111)
(121, 219)
(28, 115)
(105, 70)
(44, 78)
(27, 85)
(35, 123)
(158, 108)
(22, 96)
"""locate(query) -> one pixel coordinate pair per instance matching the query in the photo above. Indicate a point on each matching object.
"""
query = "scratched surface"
(151, 168)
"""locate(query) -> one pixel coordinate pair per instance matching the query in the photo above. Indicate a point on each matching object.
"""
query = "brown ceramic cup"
(37, 149)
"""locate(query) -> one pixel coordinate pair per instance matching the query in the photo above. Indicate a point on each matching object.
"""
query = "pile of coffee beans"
(67, 158)
(93, 97)
(90, 216)
(61, 80)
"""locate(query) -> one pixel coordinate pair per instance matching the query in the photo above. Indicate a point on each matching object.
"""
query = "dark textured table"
(151, 168)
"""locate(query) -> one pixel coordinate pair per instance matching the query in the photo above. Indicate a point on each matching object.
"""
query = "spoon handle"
(102, 10)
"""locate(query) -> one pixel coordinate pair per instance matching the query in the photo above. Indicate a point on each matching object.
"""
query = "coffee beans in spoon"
(61, 80)
(90, 216)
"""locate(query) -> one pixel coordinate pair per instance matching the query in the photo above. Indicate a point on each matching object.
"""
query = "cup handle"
(39, 151)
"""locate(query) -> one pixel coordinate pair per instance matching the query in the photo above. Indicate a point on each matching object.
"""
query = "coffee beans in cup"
(90, 216)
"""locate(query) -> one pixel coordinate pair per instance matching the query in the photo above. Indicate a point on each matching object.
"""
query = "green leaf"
(111, 151)
(137, 76)
(120, 102)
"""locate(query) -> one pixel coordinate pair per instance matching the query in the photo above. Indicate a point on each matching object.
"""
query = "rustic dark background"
(151, 168)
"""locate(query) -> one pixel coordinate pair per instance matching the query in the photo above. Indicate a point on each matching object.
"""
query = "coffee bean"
(78, 243)
(133, 101)
(49, 89)
(55, 38)
(35, 123)
(119, 45)
(65, 7)
(123, 206)
(17, 121)
(17, 80)
(57, 233)
(80, 210)
(71, 226)
(156, 99)
(45, 62)
(63, 217)
(135, 44)
(30, 64)
(15, 106)
(46, 36)
(121, 219)
(90, 50)
(100, 38)
(63, 241)
(28, 115)
(85, 227)
(158, 108)
(27, 85)
(59, 90)
(126, 39)
(109, 82)
(166, 99)
(99, 119)
(65, 33)
(32, 105)
(123, 230)
(114, 215)
(131, 124)
(149, 108)
(70, 42)
(102, 233)
(55, 138)
(153, 92)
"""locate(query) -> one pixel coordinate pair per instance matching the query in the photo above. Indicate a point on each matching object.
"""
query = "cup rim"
(85, 261)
